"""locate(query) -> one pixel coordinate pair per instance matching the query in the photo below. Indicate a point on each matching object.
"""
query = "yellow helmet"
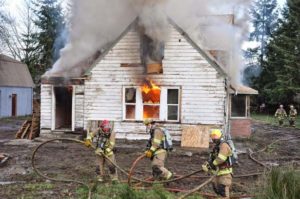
(216, 134)
(148, 121)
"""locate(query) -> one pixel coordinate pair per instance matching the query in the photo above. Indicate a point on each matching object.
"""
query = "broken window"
(152, 54)
(173, 104)
(238, 106)
(130, 103)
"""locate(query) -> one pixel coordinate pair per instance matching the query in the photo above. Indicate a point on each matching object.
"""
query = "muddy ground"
(74, 161)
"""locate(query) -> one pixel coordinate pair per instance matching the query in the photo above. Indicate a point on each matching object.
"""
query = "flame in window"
(151, 99)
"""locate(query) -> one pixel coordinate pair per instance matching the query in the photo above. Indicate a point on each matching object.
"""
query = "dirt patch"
(67, 160)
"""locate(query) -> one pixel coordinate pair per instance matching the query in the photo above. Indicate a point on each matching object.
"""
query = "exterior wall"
(46, 106)
(202, 89)
(240, 127)
(24, 101)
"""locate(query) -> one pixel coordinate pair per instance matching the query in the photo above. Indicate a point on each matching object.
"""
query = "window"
(130, 103)
(159, 103)
(173, 104)
(238, 106)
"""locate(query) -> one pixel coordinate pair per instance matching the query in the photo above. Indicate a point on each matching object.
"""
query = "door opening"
(14, 105)
(63, 107)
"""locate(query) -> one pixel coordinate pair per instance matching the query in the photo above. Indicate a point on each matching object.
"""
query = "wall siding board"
(46, 106)
(203, 90)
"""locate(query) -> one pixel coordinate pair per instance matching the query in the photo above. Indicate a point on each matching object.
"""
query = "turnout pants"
(222, 184)
(158, 166)
(112, 170)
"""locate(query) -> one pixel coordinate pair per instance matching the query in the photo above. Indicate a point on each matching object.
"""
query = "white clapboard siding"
(202, 88)
(46, 106)
(79, 106)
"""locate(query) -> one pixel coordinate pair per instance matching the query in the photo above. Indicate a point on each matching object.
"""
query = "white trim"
(73, 108)
(53, 108)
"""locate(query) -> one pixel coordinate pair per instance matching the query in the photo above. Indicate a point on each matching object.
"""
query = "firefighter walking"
(157, 151)
(292, 116)
(220, 164)
(105, 137)
(280, 114)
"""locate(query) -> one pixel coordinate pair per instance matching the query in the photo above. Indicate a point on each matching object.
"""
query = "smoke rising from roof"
(96, 23)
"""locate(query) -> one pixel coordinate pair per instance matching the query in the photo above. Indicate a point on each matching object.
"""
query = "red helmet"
(105, 126)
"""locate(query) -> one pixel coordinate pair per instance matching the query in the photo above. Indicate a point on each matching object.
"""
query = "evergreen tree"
(280, 78)
(264, 16)
(50, 22)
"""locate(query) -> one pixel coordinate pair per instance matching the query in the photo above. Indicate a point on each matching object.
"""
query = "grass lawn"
(270, 119)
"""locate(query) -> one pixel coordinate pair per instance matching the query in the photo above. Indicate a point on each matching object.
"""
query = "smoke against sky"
(96, 23)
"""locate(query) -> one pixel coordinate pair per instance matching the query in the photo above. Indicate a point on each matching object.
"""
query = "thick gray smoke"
(96, 23)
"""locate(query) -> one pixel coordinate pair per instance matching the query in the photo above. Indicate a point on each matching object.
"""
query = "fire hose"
(130, 174)
(33, 163)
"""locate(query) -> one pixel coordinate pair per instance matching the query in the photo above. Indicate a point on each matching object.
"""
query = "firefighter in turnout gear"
(280, 114)
(292, 116)
(220, 163)
(105, 137)
(156, 151)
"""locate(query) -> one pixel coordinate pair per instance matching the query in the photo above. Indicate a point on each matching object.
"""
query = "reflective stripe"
(89, 136)
(224, 171)
(222, 157)
(215, 162)
(152, 148)
(157, 141)
(110, 153)
(112, 143)
(108, 150)
(159, 151)
(169, 175)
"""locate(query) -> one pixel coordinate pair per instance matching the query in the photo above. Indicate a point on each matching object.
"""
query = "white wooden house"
(192, 89)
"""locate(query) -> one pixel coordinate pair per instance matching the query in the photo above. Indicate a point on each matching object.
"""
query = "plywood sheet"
(195, 136)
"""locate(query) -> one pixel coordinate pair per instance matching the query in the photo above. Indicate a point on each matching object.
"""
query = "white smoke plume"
(96, 23)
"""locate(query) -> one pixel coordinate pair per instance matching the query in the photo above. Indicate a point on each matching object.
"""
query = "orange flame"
(148, 86)
(151, 99)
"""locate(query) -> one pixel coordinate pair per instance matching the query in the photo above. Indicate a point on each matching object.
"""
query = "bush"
(281, 183)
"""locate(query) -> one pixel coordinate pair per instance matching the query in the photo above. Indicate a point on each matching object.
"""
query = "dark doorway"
(63, 107)
(14, 105)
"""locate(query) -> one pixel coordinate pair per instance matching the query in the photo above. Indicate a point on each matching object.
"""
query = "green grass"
(270, 119)
(123, 191)
(38, 186)
(280, 183)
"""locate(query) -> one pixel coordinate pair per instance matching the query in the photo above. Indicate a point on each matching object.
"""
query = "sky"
(14, 5)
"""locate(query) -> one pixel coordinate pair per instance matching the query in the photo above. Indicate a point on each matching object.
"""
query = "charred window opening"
(63, 107)
(238, 106)
(152, 54)
(130, 103)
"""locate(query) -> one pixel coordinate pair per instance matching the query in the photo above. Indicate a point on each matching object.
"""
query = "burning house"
(175, 82)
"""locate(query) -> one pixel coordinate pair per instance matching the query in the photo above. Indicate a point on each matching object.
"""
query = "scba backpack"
(168, 142)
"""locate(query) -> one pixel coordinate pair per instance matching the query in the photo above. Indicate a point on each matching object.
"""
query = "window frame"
(246, 102)
(163, 105)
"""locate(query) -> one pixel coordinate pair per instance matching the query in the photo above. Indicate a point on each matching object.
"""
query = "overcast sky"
(14, 4)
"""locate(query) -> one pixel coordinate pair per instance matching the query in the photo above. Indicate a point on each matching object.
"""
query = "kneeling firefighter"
(157, 149)
(220, 163)
(105, 137)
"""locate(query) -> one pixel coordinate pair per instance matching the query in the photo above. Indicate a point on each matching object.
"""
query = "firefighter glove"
(88, 142)
(205, 167)
(99, 151)
(149, 153)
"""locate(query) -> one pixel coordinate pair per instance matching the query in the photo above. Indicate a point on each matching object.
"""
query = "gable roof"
(14, 73)
(211, 60)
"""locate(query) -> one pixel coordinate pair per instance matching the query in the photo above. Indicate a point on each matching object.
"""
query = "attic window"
(152, 54)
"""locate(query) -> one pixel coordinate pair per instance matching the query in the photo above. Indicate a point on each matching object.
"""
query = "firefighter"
(156, 151)
(280, 114)
(292, 116)
(220, 164)
(105, 145)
